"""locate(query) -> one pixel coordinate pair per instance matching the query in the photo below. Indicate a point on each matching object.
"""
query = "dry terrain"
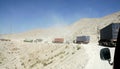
(20, 55)
(17, 54)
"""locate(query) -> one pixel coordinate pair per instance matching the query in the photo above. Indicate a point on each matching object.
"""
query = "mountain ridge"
(85, 26)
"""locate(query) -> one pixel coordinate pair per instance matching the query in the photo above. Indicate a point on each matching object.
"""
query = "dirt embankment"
(15, 55)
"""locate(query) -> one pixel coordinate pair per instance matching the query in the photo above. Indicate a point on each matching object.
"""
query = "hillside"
(86, 26)
(18, 54)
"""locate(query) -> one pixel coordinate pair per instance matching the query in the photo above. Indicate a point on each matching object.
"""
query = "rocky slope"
(22, 55)
(86, 26)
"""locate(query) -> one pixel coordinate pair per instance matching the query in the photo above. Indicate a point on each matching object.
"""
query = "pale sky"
(23, 15)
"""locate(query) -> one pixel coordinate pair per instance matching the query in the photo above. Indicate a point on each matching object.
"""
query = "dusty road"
(95, 62)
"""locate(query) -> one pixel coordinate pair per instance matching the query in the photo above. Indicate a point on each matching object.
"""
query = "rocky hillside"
(91, 26)
(86, 26)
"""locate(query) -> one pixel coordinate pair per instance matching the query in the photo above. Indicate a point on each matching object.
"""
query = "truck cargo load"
(108, 35)
(82, 39)
(58, 40)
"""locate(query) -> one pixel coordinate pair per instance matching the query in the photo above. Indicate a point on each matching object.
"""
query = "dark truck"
(82, 39)
(108, 35)
(105, 54)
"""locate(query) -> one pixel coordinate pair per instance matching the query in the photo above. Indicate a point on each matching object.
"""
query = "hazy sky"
(23, 15)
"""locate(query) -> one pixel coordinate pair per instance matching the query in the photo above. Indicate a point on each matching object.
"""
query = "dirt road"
(95, 62)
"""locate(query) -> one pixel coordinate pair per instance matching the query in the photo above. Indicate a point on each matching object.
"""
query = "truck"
(105, 54)
(58, 40)
(82, 39)
(108, 35)
(5, 40)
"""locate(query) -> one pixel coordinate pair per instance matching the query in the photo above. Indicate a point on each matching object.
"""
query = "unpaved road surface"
(95, 62)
